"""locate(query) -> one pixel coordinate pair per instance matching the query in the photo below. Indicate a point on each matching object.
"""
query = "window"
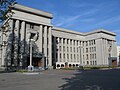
(59, 40)
(74, 42)
(83, 57)
(67, 41)
(60, 55)
(74, 56)
(90, 49)
(70, 42)
(77, 42)
(94, 49)
(95, 56)
(86, 50)
(67, 56)
(86, 43)
(95, 62)
(64, 48)
(87, 62)
(60, 48)
(74, 49)
(64, 56)
(83, 43)
(90, 62)
(63, 40)
(67, 49)
(71, 49)
(89, 42)
(86, 56)
(71, 56)
(94, 41)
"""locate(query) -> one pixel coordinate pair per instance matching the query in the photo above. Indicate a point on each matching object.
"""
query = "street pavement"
(62, 80)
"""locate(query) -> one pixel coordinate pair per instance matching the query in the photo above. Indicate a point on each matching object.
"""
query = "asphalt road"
(62, 80)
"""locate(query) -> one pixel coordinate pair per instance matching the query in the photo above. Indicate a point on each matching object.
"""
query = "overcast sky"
(81, 15)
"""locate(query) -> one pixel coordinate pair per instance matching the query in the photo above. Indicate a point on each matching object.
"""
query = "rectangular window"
(59, 40)
(67, 41)
(63, 40)
(67, 56)
(71, 49)
(64, 48)
(67, 49)
(86, 56)
(86, 43)
(86, 50)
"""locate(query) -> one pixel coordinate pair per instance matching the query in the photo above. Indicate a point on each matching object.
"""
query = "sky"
(81, 15)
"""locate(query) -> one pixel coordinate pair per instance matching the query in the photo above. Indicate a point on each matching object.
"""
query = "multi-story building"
(118, 55)
(61, 47)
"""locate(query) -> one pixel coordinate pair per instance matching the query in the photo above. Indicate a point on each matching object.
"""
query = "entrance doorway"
(36, 62)
(114, 62)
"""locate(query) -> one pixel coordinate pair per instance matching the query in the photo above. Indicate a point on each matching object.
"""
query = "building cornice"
(100, 31)
(32, 11)
(66, 30)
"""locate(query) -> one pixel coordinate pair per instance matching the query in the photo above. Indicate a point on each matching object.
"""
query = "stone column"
(45, 43)
(66, 50)
(16, 37)
(23, 44)
(50, 47)
(58, 47)
(62, 50)
(69, 50)
(40, 42)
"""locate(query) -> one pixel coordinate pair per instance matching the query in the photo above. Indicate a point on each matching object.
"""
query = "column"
(72, 51)
(58, 47)
(62, 50)
(16, 36)
(50, 47)
(69, 50)
(40, 42)
(75, 51)
(45, 43)
(23, 43)
(66, 50)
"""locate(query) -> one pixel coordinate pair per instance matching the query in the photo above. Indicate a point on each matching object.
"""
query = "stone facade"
(61, 47)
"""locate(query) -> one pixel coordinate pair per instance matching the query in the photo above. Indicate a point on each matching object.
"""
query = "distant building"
(61, 47)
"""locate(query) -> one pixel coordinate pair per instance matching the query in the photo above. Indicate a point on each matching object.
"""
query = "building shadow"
(93, 80)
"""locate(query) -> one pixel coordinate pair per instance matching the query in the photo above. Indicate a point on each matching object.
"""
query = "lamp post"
(30, 67)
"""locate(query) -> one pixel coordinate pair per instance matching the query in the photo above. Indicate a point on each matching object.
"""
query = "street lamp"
(30, 67)
(32, 38)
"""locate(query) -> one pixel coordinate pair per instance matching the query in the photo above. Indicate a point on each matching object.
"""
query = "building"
(61, 47)
(118, 55)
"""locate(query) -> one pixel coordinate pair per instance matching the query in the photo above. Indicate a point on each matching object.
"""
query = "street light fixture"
(32, 39)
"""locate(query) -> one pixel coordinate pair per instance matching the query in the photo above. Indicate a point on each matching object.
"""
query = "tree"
(5, 8)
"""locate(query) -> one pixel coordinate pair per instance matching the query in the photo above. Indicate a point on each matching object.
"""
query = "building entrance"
(36, 62)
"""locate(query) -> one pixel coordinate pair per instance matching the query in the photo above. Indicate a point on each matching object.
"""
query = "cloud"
(66, 21)
(109, 21)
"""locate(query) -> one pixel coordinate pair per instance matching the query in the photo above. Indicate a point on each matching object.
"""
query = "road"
(62, 80)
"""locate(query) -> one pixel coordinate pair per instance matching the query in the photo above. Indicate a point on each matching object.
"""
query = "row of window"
(68, 41)
(90, 42)
(91, 56)
(71, 56)
(71, 49)
(91, 62)
(91, 49)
